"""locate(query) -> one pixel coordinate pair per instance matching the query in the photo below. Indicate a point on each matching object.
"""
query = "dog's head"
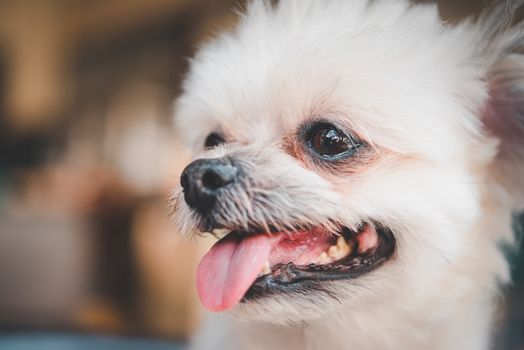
(346, 149)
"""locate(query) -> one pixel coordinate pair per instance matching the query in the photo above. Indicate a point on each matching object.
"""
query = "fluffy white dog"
(362, 161)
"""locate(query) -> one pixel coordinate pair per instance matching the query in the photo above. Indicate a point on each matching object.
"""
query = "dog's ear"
(502, 43)
(503, 118)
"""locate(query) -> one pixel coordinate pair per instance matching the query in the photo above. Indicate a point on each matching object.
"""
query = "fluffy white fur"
(441, 108)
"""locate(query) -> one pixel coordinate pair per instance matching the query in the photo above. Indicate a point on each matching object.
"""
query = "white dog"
(363, 160)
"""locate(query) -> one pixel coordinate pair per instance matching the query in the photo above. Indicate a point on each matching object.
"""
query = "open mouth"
(245, 266)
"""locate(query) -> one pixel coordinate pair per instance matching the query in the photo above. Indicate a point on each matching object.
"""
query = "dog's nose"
(203, 179)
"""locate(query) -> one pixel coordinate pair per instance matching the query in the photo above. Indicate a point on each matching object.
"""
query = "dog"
(361, 162)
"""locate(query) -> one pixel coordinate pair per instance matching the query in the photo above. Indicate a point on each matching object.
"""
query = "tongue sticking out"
(227, 271)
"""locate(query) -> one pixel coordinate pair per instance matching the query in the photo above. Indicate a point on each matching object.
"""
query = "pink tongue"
(227, 271)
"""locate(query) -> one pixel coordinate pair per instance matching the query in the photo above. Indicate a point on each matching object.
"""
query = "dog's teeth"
(333, 251)
(220, 232)
(324, 259)
(266, 269)
(340, 250)
(343, 247)
(341, 242)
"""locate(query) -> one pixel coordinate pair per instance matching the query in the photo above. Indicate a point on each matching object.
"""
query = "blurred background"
(87, 160)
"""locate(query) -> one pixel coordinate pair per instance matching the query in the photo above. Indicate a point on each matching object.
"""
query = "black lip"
(286, 278)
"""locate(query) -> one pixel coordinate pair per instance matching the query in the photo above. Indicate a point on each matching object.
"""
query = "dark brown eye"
(331, 143)
(214, 139)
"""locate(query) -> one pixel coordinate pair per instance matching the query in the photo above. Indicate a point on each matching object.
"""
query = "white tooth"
(343, 247)
(324, 259)
(220, 232)
(341, 242)
(266, 268)
(333, 251)
(340, 250)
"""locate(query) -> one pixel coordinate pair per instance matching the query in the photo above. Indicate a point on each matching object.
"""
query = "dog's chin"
(304, 269)
(292, 309)
(289, 309)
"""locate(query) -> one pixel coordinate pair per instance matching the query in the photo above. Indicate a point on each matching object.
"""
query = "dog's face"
(339, 146)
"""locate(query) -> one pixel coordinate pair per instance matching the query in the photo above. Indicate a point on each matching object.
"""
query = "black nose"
(203, 179)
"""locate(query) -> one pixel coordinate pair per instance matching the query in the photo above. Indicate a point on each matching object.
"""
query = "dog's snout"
(203, 179)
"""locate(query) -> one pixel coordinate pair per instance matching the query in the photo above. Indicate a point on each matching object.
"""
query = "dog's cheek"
(425, 203)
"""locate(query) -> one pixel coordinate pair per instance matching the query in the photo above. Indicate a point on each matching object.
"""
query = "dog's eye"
(331, 143)
(214, 139)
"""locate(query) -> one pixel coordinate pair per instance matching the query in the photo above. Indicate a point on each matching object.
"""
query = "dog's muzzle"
(256, 259)
(204, 179)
